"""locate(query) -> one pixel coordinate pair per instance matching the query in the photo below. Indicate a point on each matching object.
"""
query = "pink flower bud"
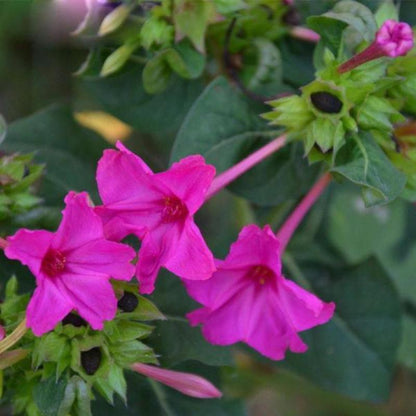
(392, 39)
(189, 384)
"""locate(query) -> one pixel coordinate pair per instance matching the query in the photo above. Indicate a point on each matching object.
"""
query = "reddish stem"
(372, 52)
(222, 180)
(289, 227)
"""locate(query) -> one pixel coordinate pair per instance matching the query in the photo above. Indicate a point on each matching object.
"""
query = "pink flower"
(159, 209)
(392, 39)
(72, 267)
(189, 384)
(247, 299)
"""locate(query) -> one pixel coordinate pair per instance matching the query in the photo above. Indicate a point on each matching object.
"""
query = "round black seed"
(90, 360)
(128, 302)
(326, 102)
(292, 17)
(75, 320)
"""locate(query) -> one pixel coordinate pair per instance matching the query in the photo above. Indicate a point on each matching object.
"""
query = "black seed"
(90, 360)
(128, 302)
(75, 320)
(292, 17)
(326, 102)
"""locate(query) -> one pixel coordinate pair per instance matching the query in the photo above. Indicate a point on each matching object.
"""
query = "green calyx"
(74, 361)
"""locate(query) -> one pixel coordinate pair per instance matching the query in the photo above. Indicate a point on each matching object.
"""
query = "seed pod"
(128, 302)
(91, 360)
(326, 102)
(75, 320)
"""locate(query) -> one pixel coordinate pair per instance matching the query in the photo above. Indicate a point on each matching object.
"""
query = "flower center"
(174, 209)
(53, 263)
(261, 274)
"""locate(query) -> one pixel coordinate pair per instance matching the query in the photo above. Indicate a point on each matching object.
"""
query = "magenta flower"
(189, 384)
(72, 267)
(248, 299)
(392, 39)
(159, 209)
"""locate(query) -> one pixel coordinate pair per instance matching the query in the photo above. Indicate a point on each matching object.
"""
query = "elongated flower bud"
(392, 39)
(189, 384)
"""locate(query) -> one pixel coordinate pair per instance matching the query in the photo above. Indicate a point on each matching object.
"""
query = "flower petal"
(79, 224)
(92, 296)
(41, 316)
(254, 246)
(304, 309)
(122, 175)
(190, 256)
(189, 179)
(29, 247)
(102, 257)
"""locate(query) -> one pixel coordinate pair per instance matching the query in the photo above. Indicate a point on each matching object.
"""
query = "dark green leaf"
(363, 162)
(353, 354)
(330, 30)
(48, 395)
(69, 151)
(357, 231)
(123, 95)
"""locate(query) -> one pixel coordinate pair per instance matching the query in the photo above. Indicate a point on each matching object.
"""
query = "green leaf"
(330, 30)
(48, 395)
(265, 73)
(387, 10)
(357, 16)
(352, 354)
(407, 351)
(69, 151)
(176, 341)
(224, 127)
(123, 95)
(185, 60)
(156, 74)
(191, 19)
(363, 162)
(358, 232)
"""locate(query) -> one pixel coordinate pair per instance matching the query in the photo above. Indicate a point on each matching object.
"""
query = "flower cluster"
(245, 297)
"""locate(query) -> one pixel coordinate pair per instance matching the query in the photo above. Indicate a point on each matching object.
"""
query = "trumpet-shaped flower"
(248, 299)
(72, 267)
(159, 209)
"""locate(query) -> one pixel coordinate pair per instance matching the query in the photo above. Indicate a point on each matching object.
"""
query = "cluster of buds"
(346, 97)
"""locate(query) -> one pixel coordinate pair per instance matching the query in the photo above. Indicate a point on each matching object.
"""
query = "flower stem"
(14, 337)
(289, 227)
(368, 54)
(3, 243)
(303, 33)
(222, 180)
